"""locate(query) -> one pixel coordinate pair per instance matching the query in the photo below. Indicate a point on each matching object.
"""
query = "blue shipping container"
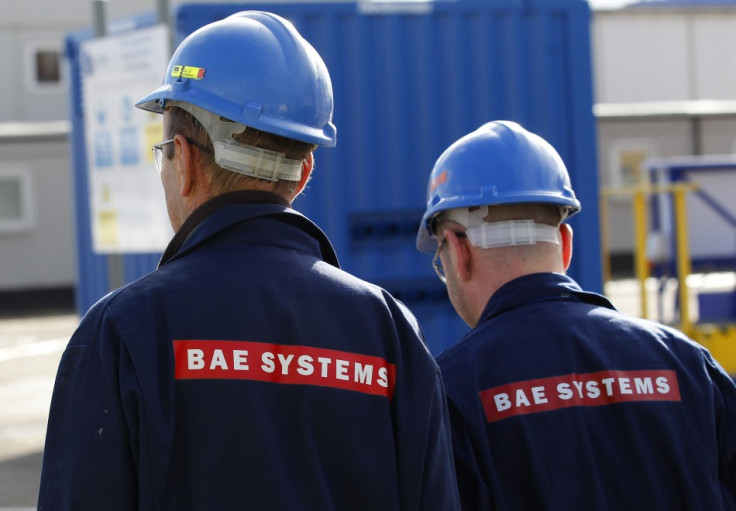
(409, 79)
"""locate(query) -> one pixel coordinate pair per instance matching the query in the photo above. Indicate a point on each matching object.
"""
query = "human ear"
(307, 166)
(461, 259)
(185, 165)
(566, 239)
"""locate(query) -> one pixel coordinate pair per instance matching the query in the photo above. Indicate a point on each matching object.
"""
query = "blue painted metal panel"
(407, 84)
(409, 79)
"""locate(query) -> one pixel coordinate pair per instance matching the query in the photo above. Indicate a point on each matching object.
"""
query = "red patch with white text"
(283, 364)
(590, 389)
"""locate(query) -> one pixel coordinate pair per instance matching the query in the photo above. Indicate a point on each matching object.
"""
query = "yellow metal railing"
(684, 267)
(719, 339)
(640, 195)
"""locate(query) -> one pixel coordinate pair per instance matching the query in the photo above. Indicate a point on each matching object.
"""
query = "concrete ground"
(30, 349)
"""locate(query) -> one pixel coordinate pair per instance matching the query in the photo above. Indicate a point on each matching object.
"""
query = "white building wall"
(677, 64)
(42, 256)
(664, 54)
(29, 24)
(640, 57)
(714, 55)
(41, 253)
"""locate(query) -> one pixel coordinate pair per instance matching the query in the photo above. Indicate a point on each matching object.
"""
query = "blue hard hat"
(253, 68)
(499, 163)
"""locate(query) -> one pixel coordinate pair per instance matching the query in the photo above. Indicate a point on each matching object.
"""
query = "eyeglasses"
(158, 151)
(437, 262)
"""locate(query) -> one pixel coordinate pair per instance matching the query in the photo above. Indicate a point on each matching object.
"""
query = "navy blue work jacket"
(559, 402)
(248, 372)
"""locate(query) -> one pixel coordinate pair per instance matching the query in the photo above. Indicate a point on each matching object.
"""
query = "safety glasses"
(437, 262)
(158, 153)
(158, 150)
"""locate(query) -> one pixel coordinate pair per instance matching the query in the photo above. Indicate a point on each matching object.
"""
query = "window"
(627, 160)
(44, 67)
(15, 201)
(48, 67)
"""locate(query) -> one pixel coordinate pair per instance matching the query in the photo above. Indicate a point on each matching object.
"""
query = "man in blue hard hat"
(248, 371)
(557, 401)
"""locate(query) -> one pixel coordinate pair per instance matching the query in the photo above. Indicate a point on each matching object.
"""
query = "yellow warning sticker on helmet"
(195, 73)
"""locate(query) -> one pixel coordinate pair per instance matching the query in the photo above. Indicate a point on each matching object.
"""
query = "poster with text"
(127, 206)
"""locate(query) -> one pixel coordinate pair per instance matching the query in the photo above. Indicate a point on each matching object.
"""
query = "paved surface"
(30, 349)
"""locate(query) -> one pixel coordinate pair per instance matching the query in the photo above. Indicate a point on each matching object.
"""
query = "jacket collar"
(206, 221)
(539, 287)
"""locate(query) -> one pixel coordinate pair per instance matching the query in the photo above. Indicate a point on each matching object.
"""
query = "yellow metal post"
(605, 248)
(683, 255)
(640, 254)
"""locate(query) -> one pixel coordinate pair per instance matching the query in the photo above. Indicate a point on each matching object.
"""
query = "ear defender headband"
(242, 158)
(509, 233)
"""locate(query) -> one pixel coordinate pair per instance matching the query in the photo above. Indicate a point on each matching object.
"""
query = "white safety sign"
(127, 208)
